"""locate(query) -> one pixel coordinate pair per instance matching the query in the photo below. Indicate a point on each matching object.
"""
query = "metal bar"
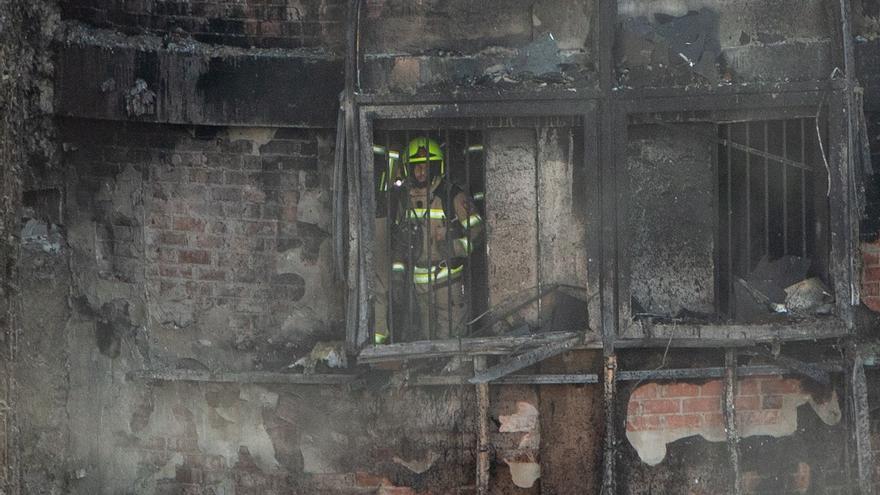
(741, 147)
(524, 360)
(410, 288)
(766, 191)
(785, 188)
(730, 418)
(803, 190)
(389, 289)
(428, 240)
(469, 272)
(538, 258)
(482, 429)
(447, 170)
(809, 370)
(730, 273)
(748, 126)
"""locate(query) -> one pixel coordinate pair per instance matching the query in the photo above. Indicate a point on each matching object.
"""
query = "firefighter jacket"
(440, 227)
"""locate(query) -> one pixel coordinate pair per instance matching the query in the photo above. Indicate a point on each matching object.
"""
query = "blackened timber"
(842, 251)
(261, 377)
(446, 348)
(542, 379)
(687, 333)
(861, 418)
(808, 370)
(482, 430)
(730, 418)
(524, 360)
(712, 372)
(609, 482)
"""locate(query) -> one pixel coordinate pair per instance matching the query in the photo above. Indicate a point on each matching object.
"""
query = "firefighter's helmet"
(424, 149)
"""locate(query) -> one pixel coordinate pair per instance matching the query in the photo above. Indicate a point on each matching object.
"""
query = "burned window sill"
(735, 335)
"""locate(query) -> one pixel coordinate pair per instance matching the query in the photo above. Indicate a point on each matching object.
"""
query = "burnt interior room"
(399, 247)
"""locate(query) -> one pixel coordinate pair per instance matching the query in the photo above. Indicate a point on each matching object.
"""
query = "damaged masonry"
(439, 246)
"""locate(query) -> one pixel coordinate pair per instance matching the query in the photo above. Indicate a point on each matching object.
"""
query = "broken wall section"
(792, 437)
(438, 45)
(204, 244)
(286, 24)
(709, 42)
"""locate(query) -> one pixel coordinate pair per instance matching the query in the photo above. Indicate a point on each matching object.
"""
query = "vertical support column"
(860, 417)
(729, 410)
(609, 485)
(482, 429)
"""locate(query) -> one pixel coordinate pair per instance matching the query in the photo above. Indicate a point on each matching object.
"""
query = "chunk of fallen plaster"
(524, 419)
(524, 474)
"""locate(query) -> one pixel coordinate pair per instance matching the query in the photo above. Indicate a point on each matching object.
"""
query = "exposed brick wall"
(222, 234)
(245, 23)
(656, 406)
(662, 414)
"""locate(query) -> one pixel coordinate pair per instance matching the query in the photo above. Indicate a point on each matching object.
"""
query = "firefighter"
(439, 229)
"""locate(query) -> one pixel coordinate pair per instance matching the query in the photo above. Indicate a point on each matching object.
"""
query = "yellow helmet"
(425, 149)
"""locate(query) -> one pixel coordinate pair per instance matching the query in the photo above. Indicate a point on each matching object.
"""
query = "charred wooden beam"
(446, 348)
(690, 335)
(524, 360)
(730, 418)
(609, 485)
(262, 377)
(712, 372)
(482, 430)
(808, 370)
(548, 379)
(860, 418)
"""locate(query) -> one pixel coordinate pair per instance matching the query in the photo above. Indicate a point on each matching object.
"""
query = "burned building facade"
(675, 286)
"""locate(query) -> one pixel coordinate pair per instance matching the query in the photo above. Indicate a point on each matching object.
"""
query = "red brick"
(747, 403)
(713, 419)
(771, 402)
(701, 404)
(646, 391)
(801, 479)
(780, 386)
(643, 423)
(870, 259)
(194, 257)
(661, 406)
(189, 224)
(680, 390)
(371, 480)
(713, 388)
(871, 274)
(870, 289)
(750, 481)
(754, 418)
(217, 275)
(872, 302)
(173, 238)
(748, 386)
(153, 443)
(677, 421)
(209, 242)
